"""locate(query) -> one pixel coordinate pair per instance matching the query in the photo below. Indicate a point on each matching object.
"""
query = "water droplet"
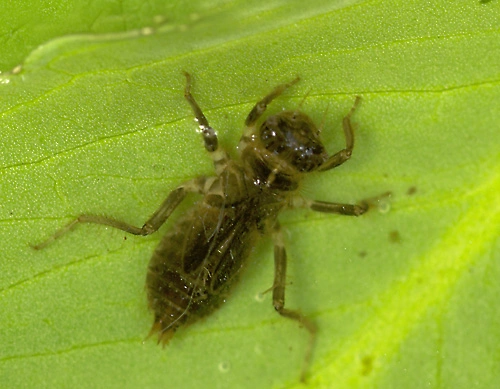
(384, 207)
(383, 203)
(194, 17)
(159, 19)
(260, 297)
(17, 69)
(147, 31)
(224, 367)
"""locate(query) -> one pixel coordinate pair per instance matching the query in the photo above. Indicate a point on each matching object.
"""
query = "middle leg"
(329, 207)
(339, 208)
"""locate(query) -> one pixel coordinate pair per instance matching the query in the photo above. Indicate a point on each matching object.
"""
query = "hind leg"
(159, 217)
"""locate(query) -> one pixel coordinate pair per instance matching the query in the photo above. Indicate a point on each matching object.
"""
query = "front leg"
(343, 155)
(219, 157)
(261, 106)
(208, 133)
(159, 217)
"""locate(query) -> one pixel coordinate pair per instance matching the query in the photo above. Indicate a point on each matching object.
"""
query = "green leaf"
(404, 296)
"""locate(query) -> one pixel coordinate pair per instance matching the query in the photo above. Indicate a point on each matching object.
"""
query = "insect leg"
(343, 155)
(209, 135)
(152, 224)
(328, 207)
(279, 297)
(219, 156)
(342, 209)
(261, 106)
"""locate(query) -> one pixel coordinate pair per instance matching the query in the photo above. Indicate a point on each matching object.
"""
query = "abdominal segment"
(194, 266)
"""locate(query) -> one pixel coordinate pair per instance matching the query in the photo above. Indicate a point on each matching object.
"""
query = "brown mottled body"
(196, 263)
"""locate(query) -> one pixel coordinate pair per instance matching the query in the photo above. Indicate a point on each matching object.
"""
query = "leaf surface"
(95, 122)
